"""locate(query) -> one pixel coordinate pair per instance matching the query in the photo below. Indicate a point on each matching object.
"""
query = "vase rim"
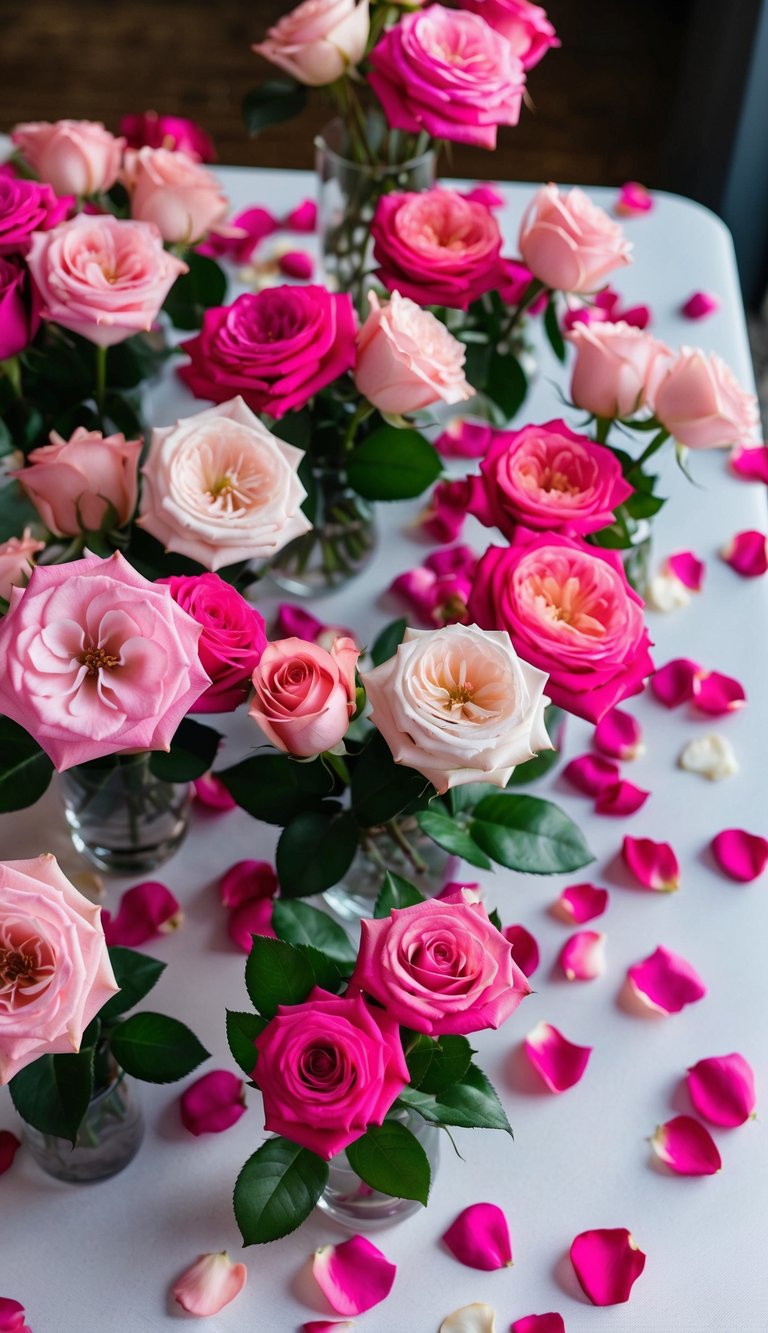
(375, 171)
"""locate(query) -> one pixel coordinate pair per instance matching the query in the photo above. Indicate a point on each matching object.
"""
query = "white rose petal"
(666, 593)
(712, 756)
(476, 1318)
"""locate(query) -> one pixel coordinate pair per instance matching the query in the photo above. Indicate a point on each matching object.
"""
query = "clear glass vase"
(121, 817)
(406, 851)
(339, 545)
(353, 1204)
(108, 1139)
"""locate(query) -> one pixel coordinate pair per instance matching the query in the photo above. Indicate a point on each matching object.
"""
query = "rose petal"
(327, 1325)
(607, 1264)
(619, 735)
(464, 439)
(582, 957)
(353, 1276)
(675, 682)
(479, 1238)
(686, 1147)
(653, 864)
(687, 568)
(253, 917)
(590, 773)
(712, 756)
(717, 694)
(213, 1103)
(699, 305)
(633, 201)
(246, 880)
(457, 892)
(747, 553)
(750, 462)
(666, 982)
(740, 855)
(623, 798)
(582, 902)
(211, 792)
(666, 593)
(539, 1323)
(210, 1284)
(722, 1089)
(475, 1318)
(559, 1062)
(12, 1316)
(302, 218)
(525, 950)
(9, 1146)
(146, 911)
(484, 193)
(296, 264)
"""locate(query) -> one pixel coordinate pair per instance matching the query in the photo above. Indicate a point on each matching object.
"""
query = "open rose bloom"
(304, 695)
(436, 247)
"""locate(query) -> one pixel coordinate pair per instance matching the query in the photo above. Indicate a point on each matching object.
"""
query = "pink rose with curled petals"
(436, 247)
(524, 25)
(439, 968)
(19, 307)
(74, 156)
(304, 696)
(407, 360)
(175, 192)
(175, 133)
(17, 562)
(699, 401)
(87, 483)
(614, 367)
(95, 659)
(55, 973)
(232, 640)
(318, 41)
(25, 207)
(569, 243)
(327, 1069)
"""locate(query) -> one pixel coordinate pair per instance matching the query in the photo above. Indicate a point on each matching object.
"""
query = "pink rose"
(407, 360)
(219, 487)
(318, 41)
(304, 695)
(26, 206)
(177, 193)
(84, 484)
(19, 308)
(103, 278)
(16, 562)
(175, 133)
(437, 247)
(569, 610)
(614, 367)
(275, 347)
(547, 477)
(95, 659)
(449, 73)
(74, 156)
(327, 1069)
(699, 401)
(232, 641)
(55, 973)
(525, 26)
(569, 243)
(440, 967)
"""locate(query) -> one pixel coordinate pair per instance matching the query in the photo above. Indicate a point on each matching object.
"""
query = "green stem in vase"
(360, 414)
(396, 834)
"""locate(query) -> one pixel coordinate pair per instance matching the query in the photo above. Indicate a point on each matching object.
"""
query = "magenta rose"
(569, 243)
(275, 348)
(84, 484)
(525, 26)
(26, 206)
(175, 133)
(547, 477)
(19, 308)
(440, 968)
(232, 641)
(437, 247)
(303, 695)
(74, 156)
(327, 1069)
(449, 73)
(569, 610)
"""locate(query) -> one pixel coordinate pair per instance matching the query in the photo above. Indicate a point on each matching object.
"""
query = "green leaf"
(393, 464)
(315, 851)
(16, 511)
(298, 923)
(275, 101)
(507, 384)
(529, 834)
(136, 974)
(204, 286)
(277, 1189)
(642, 505)
(193, 750)
(277, 973)
(386, 644)
(52, 1094)
(382, 789)
(156, 1048)
(553, 330)
(444, 830)
(242, 1030)
(472, 1103)
(437, 1066)
(467, 796)
(395, 892)
(275, 788)
(390, 1158)
(26, 770)
(326, 973)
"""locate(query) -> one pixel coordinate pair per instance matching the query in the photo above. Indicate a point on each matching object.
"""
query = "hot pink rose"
(16, 562)
(177, 193)
(525, 26)
(19, 308)
(276, 348)
(614, 368)
(304, 696)
(437, 247)
(327, 1069)
(569, 610)
(175, 133)
(440, 968)
(318, 41)
(55, 973)
(74, 156)
(569, 243)
(26, 206)
(449, 73)
(83, 484)
(547, 477)
(698, 400)
(101, 277)
(407, 360)
(95, 659)
(232, 641)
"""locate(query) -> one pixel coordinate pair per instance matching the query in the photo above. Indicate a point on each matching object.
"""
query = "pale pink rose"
(171, 189)
(74, 156)
(525, 26)
(614, 367)
(699, 401)
(104, 278)
(318, 41)
(407, 360)
(459, 705)
(83, 484)
(219, 487)
(304, 696)
(95, 660)
(55, 973)
(17, 562)
(569, 243)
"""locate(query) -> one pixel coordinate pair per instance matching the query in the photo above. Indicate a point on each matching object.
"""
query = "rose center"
(458, 695)
(553, 480)
(16, 966)
(98, 659)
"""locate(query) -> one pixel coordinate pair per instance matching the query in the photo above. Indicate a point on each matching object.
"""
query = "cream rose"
(458, 705)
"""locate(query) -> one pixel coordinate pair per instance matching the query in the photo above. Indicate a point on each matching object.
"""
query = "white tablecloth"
(103, 1257)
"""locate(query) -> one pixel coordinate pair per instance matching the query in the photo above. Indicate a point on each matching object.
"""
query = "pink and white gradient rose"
(232, 641)
(525, 26)
(83, 484)
(407, 360)
(569, 243)
(613, 374)
(699, 401)
(436, 247)
(78, 157)
(175, 192)
(317, 42)
(304, 696)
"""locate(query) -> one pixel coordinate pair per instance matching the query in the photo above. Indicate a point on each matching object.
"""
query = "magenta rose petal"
(213, 1103)
(581, 902)
(717, 694)
(302, 218)
(146, 911)
(675, 682)
(464, 439)
(353, 1276)
(525, 950)
(9, 1146)
(634, 200)
(741, 855)
(665, 982)
(687, 568)
(209, 1284)
(747, 553)
(623, 798)
(249, 918)
(479, 1238)
(12, 1316)
(686, 1147)
(619, 735)
(246, 880)
(750, 462)
(297, 264)
(559, 1062)
(539, 1323)
(699, 305)
(590, 773)
(653, 864)
(582, 957)
(211, 792)
(722, 1089)
(484, 193)
(328, 1326)
(607, 1263)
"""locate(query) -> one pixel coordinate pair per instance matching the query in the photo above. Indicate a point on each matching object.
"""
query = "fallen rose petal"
(740, 855)
(623, 798)
(619, 735)
(539, 1323)
(712, 756)
(722, 1089)
(353, 1276)
(675, 682)
(666, 593)
(464, 439)
(687, 568)
(686, 1147)
(302, 218)
(445, 514)
(12, 1316)
(211, 792)
(210, 1284)
(145, 911)
(607, 1264)
(213, 1103)
(582, 957)
(9, 1146)
(633, 201)
(484, 194)
(525, 950)
(559, 1062)
(296, 264)
(747, 553)
(328, 1325)
(590, 773)
(479, 1238)
(699, 305)
(653, 864)
(253, 917)
(750, 462)
(666, 982)
(582, 902)
(246, 880)
(475, 1318)
(717, 694)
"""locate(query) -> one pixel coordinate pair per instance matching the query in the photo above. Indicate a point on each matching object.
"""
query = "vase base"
(367, 1214)
(108, 1139)
(128, 860)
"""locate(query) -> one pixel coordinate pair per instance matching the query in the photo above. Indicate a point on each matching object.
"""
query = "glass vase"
(355, 1205)
(122, 818)
(108, 1139)
(404, 850)
(339, 545)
